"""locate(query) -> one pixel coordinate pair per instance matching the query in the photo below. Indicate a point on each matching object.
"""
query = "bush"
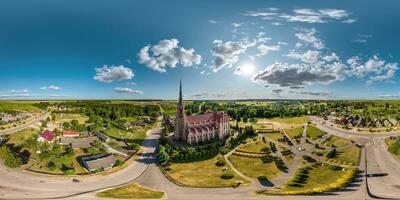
(220, 162)
(227, 175)
(335, 168)
(267, 159)
(69, 172)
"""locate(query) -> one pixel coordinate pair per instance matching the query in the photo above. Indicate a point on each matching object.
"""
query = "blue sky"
(220, 49)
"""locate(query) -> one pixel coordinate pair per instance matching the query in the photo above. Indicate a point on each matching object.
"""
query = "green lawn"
(19, 137)
(131, 191)
(294, 132)
(349, 155)
(202, 174)
(336, 141)
(320, 178)
(292, 120)
(273, 136)
(123, 134)
(254, 167)
(67, 117)
(18, 105)
(253, 146)
(314, 132)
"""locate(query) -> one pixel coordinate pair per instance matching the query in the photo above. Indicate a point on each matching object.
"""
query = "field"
(318, 179)
(18, 105)
(336, 141)
(254, 167)
(131, 191)
(120, 134)
(66, 117)
(293, 132)
(314, 133)
(254, 103)
(349, 155)
(253, 146)
(202, 174)
(19, 137)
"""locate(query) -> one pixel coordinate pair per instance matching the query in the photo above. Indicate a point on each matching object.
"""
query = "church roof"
(211, 116)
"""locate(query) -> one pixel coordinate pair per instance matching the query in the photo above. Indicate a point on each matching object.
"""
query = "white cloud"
(304, 15)
(127, 90)
(375, 69)
(264, 49)
(167, 53)
(51, 87)
(227, 53)
(112, 73)
(362, 38)
(236, 25)
(307, 36)
(19, 91)
(211, 21)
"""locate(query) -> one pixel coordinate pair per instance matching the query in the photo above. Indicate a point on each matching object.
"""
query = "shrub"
(227, 175)
(334, 167)
(220, 162)
(267, 159)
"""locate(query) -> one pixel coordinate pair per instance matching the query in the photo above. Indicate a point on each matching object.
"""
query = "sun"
(245, 69)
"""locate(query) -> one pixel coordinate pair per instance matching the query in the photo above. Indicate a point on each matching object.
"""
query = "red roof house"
(46, 136)
(70, 134)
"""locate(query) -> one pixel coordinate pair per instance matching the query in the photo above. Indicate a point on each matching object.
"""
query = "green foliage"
(394, 148)
(10, 158)
(119, 162)
(220, 162)
(332, 153)
(162, 156)
(227, 175)
(267, 159)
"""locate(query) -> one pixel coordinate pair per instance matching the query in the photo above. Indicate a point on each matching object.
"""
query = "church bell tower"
(180, 119)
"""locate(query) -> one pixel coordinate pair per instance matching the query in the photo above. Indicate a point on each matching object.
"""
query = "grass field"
(336, 141)
(117, 133)
(254, 103)
(202, 174)
(18, 105)
(19, 137)
(314, 133)
(131, 191)
(319, 177)
(349, 155)
(254, 167)
(253, 146)
(273, 136)
(67, 117)
(294, 132)
(292, 120)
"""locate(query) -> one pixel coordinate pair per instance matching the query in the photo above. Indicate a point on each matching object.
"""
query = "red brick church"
(195, 128)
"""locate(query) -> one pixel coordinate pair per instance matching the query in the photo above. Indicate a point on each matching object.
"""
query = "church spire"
(180, 92)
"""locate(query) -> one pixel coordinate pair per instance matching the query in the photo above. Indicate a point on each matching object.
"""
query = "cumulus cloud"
(51, 87)
(108, 74)
(167, 53)
(277, 92)
(375, 68)
(227, 53)
(289, 75)
(389, 96)
(211, 21)
(265, 49)
(307, 36)
(127, 90)
(362, 38)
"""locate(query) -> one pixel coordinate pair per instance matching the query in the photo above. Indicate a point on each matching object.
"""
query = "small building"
(46, 136)
(101, 136)
(99, 162)
(70, 134)
(81, 142)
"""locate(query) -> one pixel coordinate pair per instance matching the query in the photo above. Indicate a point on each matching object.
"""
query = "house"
(127, 125)
(101, 136)
(70, 134)
(46, 136)
(98, 162)
(81, 142)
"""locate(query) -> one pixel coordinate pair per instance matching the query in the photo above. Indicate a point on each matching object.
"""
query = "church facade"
(199, 128)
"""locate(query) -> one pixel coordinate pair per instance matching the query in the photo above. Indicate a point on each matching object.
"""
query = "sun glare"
(246, 69)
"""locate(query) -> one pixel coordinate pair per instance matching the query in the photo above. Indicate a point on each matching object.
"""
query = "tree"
(162, 156)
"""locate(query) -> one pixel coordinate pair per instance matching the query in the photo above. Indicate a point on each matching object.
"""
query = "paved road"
(24, 126)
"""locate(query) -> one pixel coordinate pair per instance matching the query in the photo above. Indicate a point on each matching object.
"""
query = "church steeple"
(180, 93)
(180, 119)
